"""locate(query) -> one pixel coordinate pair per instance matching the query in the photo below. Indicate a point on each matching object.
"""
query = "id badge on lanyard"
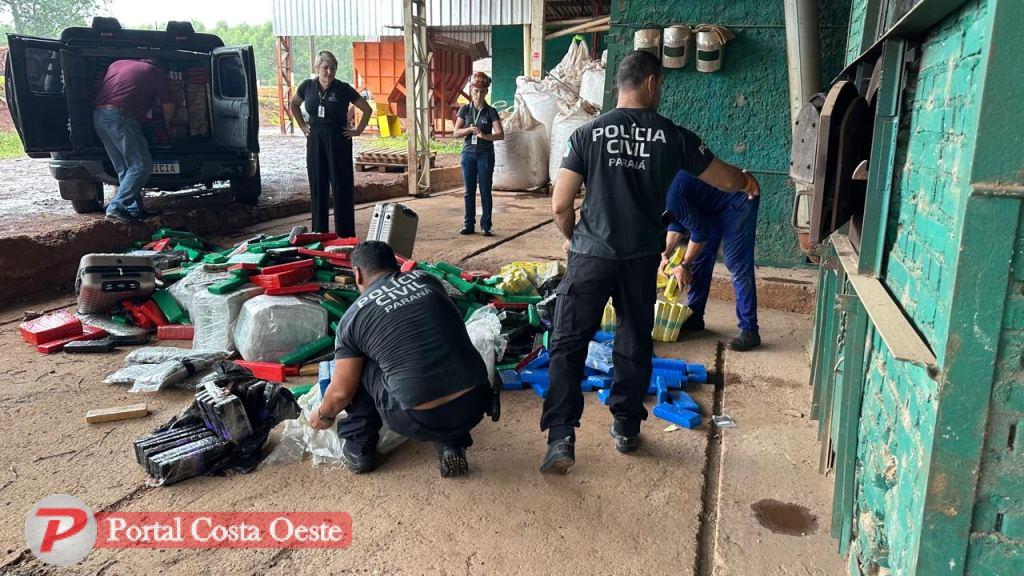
(476, 118)
(320, 110)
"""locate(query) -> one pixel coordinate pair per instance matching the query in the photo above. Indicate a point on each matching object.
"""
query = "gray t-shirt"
(628, 158)
(409, 326)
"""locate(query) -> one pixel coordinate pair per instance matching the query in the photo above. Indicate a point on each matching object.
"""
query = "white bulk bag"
(521, 159)
(568, 120)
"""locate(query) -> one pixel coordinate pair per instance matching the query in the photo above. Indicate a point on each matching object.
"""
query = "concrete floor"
(685, 504)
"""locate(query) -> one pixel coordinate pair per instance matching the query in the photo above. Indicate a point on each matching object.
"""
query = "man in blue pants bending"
(714, 217)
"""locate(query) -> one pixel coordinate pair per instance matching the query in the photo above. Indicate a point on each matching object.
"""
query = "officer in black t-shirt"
(627, 158)
(326, 101)
(403, 358)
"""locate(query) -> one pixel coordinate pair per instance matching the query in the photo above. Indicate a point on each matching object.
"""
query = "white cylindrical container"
(678, 42)
(648, 39)
(710, 49)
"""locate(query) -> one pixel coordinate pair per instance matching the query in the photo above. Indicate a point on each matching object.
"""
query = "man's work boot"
(358, 464)
(746, 340)
(624, 444)
(122, 217)
(560, 457)
(451, 461)
(693, 323)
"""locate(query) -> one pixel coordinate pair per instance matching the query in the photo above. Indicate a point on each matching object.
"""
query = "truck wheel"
(247, 190)
(85, 195)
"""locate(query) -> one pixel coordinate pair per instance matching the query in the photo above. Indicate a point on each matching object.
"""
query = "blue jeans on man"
(477, 168)
(128, 150)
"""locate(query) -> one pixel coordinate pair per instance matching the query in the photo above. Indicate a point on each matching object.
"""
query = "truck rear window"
(42, 69)
(231, 76)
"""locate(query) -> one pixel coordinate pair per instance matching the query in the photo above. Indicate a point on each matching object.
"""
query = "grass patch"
(447, 147)
(10, 145)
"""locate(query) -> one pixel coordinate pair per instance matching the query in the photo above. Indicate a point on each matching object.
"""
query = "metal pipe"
(803, 49)
(591, 26)
(569, 22)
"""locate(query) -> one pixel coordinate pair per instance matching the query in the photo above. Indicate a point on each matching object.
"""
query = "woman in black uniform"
(329, 143)
(479, 124)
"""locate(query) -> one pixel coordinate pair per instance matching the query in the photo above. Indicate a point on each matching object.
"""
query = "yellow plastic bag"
(673, 261)
(668, 319)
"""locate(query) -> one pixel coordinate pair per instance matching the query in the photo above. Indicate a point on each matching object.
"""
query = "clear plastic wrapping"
(214, 316)
(484, 329)
(197, 279)
(269, 327)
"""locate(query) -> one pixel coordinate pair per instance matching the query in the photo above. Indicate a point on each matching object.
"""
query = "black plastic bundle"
(209, 436)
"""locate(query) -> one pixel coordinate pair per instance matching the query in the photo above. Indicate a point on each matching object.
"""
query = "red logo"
(53, 533)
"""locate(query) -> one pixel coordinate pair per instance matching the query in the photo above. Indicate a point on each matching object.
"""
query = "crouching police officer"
(403, 358)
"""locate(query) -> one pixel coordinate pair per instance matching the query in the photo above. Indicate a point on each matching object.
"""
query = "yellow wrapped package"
(608, 321)
(668, 319)
(677, 257)
(534, 273)
(515, 281)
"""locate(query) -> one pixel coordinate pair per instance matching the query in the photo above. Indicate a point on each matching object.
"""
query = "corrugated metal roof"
(374, 17)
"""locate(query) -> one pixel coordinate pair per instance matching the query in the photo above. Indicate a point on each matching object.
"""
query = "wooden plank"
(892, 324)
(117, 413)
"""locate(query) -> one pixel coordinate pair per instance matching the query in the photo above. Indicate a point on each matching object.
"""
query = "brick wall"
(938, 127)
(858, 10)
(997, 531)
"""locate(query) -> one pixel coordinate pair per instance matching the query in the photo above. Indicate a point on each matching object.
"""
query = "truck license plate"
(166, 168)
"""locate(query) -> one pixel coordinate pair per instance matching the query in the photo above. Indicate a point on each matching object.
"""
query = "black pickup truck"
(51, 89)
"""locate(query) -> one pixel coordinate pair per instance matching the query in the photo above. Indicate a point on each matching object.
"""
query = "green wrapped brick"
(533, 317)
(315, 246)
(467, 288)
(300, 389)
(333, 308)
(325, 275)
(171, 233)
(215, 258)
(490, 290)
(334, 326)
(192, 254)
(448, 268)
(229, 285)
(246, 258)
(119, 319)
(492, 281)
(169, 306)
(430, 269)
(307, 351)
(243, 272)
(522, 299)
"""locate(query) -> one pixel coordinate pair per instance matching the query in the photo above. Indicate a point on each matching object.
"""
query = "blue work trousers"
(128, 150)
(734, 227)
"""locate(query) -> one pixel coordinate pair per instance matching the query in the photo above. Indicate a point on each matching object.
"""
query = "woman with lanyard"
(479, 124)
(329, 143)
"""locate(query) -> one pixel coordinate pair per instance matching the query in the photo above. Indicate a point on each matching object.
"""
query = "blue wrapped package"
(603, 395)
(684, 401)
(510, 380)
(697, 373)
(599, 357)
(677, 416)
(324, 373)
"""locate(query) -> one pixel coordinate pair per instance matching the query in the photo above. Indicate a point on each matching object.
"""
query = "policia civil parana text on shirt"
(329, 143)
(627, 158)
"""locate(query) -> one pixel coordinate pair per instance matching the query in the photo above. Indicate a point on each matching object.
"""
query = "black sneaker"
(358, 464)
(623, 443)
(746, 340)
(466, 231)
(693, 323)
(122, 217)
(487, 232)
(560, 457)
(451, 461)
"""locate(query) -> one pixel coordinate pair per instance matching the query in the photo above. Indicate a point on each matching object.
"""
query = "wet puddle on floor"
(785, 518)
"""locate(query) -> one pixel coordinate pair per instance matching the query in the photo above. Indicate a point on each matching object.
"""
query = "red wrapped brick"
(154, 313)
(297, 289)
(176, 332)
(89, 333)
(50, 327)
(271, 371)
(278, 269)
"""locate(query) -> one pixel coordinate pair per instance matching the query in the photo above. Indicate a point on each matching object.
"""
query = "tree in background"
(48, 17)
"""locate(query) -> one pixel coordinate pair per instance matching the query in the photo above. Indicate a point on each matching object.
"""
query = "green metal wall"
(742, 111)
(858, 11)
(507, 58)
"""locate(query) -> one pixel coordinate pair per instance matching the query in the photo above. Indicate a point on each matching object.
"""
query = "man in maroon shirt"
(129, 89)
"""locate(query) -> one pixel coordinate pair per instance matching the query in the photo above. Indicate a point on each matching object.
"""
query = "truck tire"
(247, 190)
(85, 195)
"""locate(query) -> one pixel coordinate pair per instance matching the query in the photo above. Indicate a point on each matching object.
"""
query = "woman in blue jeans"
(479, 125)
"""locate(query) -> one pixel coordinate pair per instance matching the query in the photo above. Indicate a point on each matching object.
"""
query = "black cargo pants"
(448, 424)
(589, 282)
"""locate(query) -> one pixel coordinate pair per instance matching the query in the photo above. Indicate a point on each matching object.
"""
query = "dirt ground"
(29, 199)
(685, 504)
